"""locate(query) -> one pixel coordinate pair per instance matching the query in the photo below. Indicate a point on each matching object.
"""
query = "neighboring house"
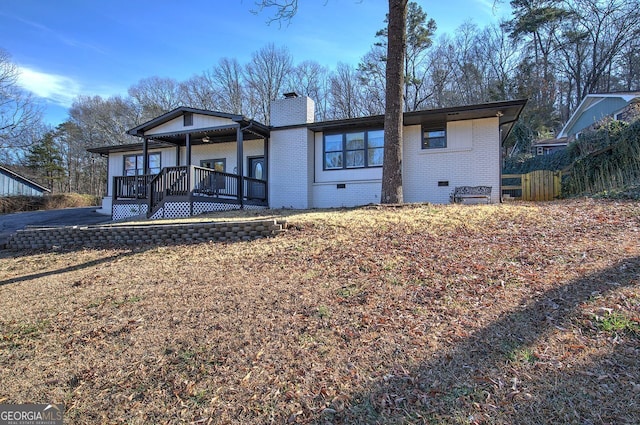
(595, 107)
(13, 184)
(548, 146)
(192, 161)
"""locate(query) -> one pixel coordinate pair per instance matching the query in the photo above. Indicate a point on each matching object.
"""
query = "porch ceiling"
(214, 135)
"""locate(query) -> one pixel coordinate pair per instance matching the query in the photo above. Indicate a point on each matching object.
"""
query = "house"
(13, 184)
(548, 146)
(191, 161)
(598, 106)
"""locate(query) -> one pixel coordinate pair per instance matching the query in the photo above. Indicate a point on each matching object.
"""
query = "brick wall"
(292, 111)
(290, 168)
(472, 158)
(107, 235)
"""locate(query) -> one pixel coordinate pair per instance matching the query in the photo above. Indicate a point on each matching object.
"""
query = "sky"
(68, 48)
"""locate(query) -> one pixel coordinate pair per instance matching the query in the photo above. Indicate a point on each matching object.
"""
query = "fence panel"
(539, 185)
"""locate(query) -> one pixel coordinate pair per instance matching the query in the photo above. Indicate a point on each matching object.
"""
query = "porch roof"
(129, 147)
(251, 129)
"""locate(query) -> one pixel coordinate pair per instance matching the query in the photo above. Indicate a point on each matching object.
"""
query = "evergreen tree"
(45, 160)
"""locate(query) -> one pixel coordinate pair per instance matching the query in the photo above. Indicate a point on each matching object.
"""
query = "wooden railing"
(131, 187)
(185, 181)
(214, 183)
(171, 181)
(255, 189)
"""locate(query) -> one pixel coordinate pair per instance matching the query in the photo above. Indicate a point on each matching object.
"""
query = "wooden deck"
(188, 184)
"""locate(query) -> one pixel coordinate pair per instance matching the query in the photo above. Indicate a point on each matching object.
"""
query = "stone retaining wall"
(141, 234)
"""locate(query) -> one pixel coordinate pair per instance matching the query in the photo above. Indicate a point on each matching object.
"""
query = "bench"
(461, 193)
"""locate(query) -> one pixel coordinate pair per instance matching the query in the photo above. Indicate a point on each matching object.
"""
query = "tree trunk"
(396, 46)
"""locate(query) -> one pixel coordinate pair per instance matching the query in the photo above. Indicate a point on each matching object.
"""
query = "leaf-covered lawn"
(500, 314)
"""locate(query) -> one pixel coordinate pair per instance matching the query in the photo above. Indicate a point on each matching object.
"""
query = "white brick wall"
(354, 193)
(472, 158)
(461, 163)
(290, 168)
(292, 111)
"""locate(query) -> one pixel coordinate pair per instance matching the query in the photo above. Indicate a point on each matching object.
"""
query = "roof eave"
(175, 113)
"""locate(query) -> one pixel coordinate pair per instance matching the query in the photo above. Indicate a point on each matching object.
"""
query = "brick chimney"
(292, 110)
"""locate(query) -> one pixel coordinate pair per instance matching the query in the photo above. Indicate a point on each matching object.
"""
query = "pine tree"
(45, 160)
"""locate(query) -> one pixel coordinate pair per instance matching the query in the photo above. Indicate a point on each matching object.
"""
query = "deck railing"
(189, 181)
(255, 189)
(214, 183)
(171, 181)
(131, 187)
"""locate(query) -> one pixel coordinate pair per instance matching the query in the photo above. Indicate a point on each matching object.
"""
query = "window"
(133, 164)
(214, 164)
(353, 150)
(434, 139)
(187, 119)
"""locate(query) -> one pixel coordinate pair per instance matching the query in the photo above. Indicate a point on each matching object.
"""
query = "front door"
(256, 190)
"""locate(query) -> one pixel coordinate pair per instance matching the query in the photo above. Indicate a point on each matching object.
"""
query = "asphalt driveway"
(9, 223)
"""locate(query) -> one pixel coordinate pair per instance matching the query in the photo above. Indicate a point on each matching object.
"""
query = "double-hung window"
(359, 149)
(133, 164)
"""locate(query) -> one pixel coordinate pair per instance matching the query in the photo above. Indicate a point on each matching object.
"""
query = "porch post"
(240, 167)
(177, 155)
(266, 169)
(188, 149)
(145, 154)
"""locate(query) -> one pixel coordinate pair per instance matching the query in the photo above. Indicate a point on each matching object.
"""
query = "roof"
(106, 150)
(251, 129)
(561, 141)
(507, 111)
(23, 179)
(592, 99)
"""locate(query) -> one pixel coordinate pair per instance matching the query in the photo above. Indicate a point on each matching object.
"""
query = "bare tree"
(156, 95)
(593, 39)
(266, 76)
(345, 93)
(199, 92)
(229, 82)
(19, 114)
(309, 78)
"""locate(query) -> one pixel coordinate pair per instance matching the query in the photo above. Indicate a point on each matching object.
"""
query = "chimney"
(292, 110)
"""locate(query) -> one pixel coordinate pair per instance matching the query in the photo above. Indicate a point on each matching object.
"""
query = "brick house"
(192, 161)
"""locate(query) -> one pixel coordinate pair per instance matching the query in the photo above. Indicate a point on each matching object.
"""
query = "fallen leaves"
(417, 314)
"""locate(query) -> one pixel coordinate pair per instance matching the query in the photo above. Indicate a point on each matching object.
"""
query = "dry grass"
(11, 204)
(502, 314)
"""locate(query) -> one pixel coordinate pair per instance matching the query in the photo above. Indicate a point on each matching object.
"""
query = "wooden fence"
(539, 185)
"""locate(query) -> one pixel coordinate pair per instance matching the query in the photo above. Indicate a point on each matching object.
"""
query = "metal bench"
(461, 193)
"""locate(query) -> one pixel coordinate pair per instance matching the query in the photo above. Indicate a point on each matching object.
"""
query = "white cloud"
(491, 7)
(57, 89)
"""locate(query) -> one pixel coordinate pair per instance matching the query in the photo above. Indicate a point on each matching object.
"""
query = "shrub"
(11, 204)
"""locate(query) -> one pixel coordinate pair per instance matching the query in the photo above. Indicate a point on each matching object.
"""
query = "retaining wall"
(106, 235)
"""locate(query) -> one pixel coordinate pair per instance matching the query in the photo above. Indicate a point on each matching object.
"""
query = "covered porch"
(170, 177)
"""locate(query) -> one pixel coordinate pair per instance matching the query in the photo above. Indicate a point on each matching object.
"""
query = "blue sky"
(67, 48)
